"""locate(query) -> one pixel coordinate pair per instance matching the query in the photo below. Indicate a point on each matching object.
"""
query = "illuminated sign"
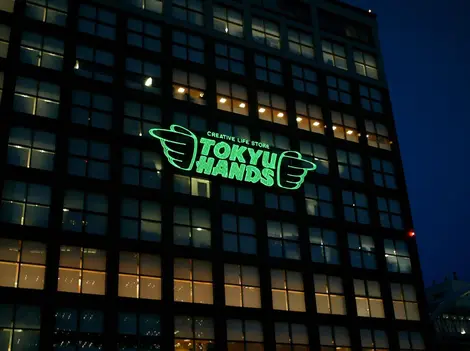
(213, 155)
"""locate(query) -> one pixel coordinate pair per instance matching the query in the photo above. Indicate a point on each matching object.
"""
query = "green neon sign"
(184, 150)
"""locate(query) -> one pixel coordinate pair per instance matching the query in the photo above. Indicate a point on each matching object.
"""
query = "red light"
(411, 234)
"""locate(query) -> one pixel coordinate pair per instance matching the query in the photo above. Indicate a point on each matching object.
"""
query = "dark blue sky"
(426, 49)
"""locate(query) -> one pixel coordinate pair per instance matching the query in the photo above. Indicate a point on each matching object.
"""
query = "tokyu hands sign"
(238, 160)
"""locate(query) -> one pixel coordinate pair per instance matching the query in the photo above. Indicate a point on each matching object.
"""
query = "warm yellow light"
(316, 124)
(226, 30)
(148, 82)
(199, 229)
(201, 95)
(181, 90)
(299, 119)
(280, 115)
(349, 132)
(262, 110)
(77, 65)
(334, 127)
(223, 100)
(242, 105)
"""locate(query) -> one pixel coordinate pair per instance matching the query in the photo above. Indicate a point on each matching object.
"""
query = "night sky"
(426, 49)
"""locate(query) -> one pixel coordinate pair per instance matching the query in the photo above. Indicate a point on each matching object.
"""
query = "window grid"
(369, 301)
(140, 118)
(301, 43)
(334, 55)
(242, 286)
(318, 200)
(266, 33)
(272, 108)
(94, 64)
(304, 80)
(228, 21)
(290, 336)
(356, 208)
(405, 302)
(390, 213)
(371, 99)
(233, 130)
(192, 227)
(141, 168)
(410, 341)
(188, 47)
(239, 234)
(189, 87)
(141, 330)
(92, 110)
(279, 202)
(194, 333)
(350, 165)
(191, 186)
(334, 338)
(88, 158)
(377, 136)
(397, 256)
(191, 121)
(143, 75)
(283, 240)
(316, 153)
(48, 11)
(268, 69)
(374, 340)
(329, 294)
(276, 141)
(244, 335)
(20, 326)
(149, 5)
(239, 195)
(339, 90)
(309, 117)
(229, 58)
(323, 246)
(188, 10)
(193, 281)
(36, 98)
(143, 34)
(232, 98)
(366, 64)
(97, 21)
(287, 289)
(41, 51)
(362, 251)
(141, 220)
(384, 173)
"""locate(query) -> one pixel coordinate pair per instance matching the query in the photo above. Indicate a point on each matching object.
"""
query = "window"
(369, 301)
(22, 263)
(334, 55)
(305, 80)
(48, 11)
(266, 32)
(287, 290)
(356, 207)
(189, 86)
(405, 303)
(244, 335)
(397, 256)
(93, 110)
(371, 99)
(97, 21)
(94, 64)
(141, 219)
(276, 141)
(31, 148)
(283, 240)
(377, 135)
(36, 98)
(290, 336)
(239, 234)
(236, 194)
(344, 126)
(192, 227)
(7, 5)
(141, 168)
(309, 117)
(82, 270)
(85, 212)
(323, 246)
(143, 75)
(75, 329)
(390, 213)
(339, 90)
(411, 341)
(350, 165)
(188, 10)
(38, 50)
(229, 58)
(272, 108)
(228, 21)
(242, 286)
(233, 130)
(188, 47)
(279, 202)
(194, 333)
(362, 251)
(318, 200)
(140, 118)
(88, 158)
(5, 40)
(20, 326)
(316, 153)
(144, 35)
(193, 281)
(301, 43)
(140, 276)
(149, 5)
(366, 64)
(25, 204)
(268, 69)
(384, 173)
(329, 294)
(334, 338)
(374, 340)
(139, 330)
(232, 98)
(192, 121)
(192, 186)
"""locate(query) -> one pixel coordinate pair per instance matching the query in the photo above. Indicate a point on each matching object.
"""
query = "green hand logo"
(179, 145)
(292, 170)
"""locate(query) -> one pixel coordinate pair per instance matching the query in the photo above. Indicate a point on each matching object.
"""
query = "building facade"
(158, 189)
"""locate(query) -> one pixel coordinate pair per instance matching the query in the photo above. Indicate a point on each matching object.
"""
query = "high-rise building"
(201, 175)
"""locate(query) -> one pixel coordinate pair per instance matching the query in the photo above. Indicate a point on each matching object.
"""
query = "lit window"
(188, 47)
(191, 186)
(334, 338)
(374, 340)
(384, 173)
(405, 303)
(140, 276)
(305, 80)
(266, 32)
(188, 10)
(232, 98)
(25, 204)
(272, 108)
(149, 5)
(356, 207)
(141, 168)
(194, 333)
(229, 58)
(82, 270)
(350, 165)
(143, 34)
(193, 281)
(49, 11)
(141, 220)
(318, 200)
(334, 55)
(239, 195)
(242, 286)
(140, 118)
(233, 130)
(31, 148)
(268, 69)
(36, 98)
(369, 301)
(283, 240)
(371, 99)
(20, 325)
(92, 110)
(344, 126)
(390, 213)
(276, 141)
(301, 43)
(227, 20)
(411, 341)
(323, 246)
(362, 251)
(287, 290)
(309, 117)
(316, 153)
(397, 256)
(85, 212)
(189, 86)
(377, 135)
(41, 51)
(339, 90)
(88, 158)
(239, 234)
(22, 263)
(5, 39)
(97, 21)
(329, 294)
(365, 64)
(244, 335)
(143, 75)
(291, 336)
(279, 202)
(192, 227)
(141, 330)
(191, 121)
